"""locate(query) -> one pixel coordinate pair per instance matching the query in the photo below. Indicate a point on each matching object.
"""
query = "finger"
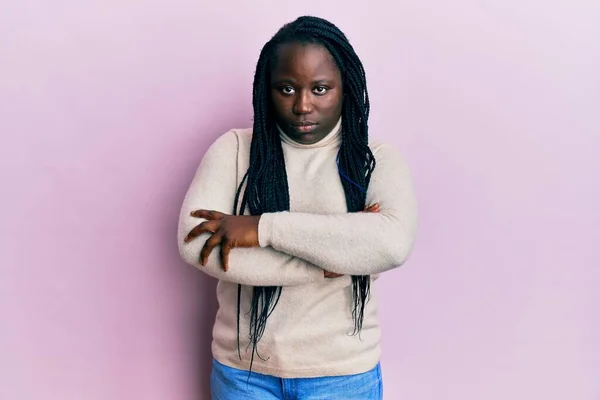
(204, 227)
(208, 247)
(207, 214)
(225, 249)
(372, 208)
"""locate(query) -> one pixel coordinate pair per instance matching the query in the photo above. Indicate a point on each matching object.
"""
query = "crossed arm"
(267, 250)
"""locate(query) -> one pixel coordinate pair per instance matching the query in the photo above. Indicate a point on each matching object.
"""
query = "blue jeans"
(228, 383)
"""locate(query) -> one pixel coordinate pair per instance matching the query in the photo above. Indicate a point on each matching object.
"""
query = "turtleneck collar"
(334, 137)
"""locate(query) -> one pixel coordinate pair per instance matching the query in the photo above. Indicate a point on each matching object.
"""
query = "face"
(306, 89)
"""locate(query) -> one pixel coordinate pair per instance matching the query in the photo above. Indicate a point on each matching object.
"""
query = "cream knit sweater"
(310, 332)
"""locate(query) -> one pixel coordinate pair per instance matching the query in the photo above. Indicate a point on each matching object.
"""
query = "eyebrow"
(293, 81)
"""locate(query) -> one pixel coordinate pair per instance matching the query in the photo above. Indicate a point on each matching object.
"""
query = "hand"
(228, 231)
(374, 208)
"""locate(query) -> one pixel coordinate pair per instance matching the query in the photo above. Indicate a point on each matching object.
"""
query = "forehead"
(304, 60)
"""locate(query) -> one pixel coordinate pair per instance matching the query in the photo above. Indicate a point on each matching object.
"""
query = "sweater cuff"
(265, 227)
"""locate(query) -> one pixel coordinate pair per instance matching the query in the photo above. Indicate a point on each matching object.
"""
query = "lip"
(304, 127)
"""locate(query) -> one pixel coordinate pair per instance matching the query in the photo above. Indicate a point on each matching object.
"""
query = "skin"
(306, 87)
(230, 231)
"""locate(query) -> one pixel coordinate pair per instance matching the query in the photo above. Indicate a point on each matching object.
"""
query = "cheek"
(332, 105)
(280, 105)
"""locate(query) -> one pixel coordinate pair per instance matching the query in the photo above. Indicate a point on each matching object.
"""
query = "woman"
(275, 213)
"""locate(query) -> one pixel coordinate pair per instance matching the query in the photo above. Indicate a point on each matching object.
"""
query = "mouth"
(304, 127)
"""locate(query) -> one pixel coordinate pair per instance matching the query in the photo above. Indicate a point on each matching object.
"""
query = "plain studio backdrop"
(107, 107)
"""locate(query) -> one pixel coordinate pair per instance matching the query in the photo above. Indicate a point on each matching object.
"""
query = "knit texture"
(310, 332)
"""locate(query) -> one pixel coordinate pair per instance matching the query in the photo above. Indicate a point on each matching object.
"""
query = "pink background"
(106, 108)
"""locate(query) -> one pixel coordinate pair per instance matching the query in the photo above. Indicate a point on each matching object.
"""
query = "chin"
(308, 138)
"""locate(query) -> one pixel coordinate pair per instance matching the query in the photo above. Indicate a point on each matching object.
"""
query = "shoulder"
(385, 151)
(390, 162)
(231, 142)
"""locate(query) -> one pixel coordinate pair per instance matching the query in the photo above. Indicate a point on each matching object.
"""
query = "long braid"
(266, 186)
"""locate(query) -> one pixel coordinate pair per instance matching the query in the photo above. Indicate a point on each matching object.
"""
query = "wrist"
(265, 228)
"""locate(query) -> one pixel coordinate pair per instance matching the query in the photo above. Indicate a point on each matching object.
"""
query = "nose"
(303, 103)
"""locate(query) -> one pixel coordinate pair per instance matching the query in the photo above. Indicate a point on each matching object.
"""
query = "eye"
(320, 90)
(287, 90)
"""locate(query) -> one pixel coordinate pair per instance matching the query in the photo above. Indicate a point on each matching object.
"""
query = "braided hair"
(266, 186)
